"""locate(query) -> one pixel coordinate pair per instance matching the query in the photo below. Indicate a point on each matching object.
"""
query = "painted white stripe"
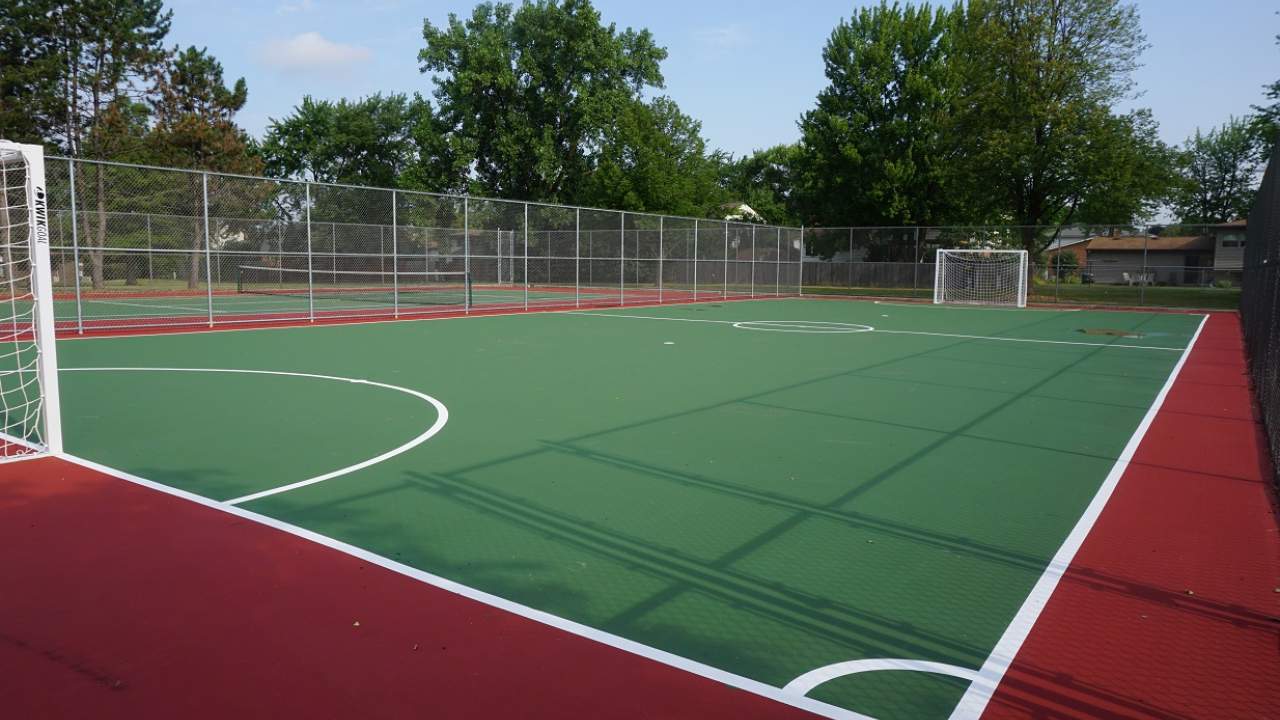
(442, 417)
(805, 684)
(620, 643)
(993, 338)
(974, 702)
(929, 304)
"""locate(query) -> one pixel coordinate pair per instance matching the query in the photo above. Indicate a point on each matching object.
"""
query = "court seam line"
(572, 627)
(442, 418)
(980, 692)
(995, 338)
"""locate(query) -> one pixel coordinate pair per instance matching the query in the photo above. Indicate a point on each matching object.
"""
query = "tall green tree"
(107, 52)
(29, 71)
(1037, 141)
(767, 181)
(194, 111)
(1220, 172)
(1266, 123)
(654, 159)
(526, 96)
(873, 149)
(370, 141)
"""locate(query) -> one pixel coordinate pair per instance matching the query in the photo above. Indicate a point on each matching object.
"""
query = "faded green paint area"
(763, 502)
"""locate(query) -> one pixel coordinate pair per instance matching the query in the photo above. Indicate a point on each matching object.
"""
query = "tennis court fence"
(1260, 305)
(137, 245)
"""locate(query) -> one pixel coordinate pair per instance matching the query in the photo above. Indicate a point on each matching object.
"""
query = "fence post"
(849, 262)
(777, 265)
(395, 261)
(526, 256)
(150, 270)
(915, 265)
(311, 290)
(801, 265)
(466, 248)
(695, 258)
(577, 257)
(75, 246)
(661, 225)
(724, 292)
(753, 259)
(208, 250)
(1142, 276)
(622, 259)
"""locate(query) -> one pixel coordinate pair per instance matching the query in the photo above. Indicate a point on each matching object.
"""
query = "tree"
(29, 71)
(1037, 140)
(873, 149)
(654, 159)
(195, 128)
(765, 180)
(1266, 124)
(1219, 174)
(526, 96)
(370, 141)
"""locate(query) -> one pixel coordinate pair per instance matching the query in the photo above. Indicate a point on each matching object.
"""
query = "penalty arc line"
(974, 701)
(442, 418)
(805, 684)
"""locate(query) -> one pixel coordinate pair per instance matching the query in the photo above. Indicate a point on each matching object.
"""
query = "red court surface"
(120, 601)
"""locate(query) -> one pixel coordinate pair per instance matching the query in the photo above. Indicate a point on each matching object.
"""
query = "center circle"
(809, 327)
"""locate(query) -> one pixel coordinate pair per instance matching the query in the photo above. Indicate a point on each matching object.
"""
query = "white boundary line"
(975, 699)
(692, 666)
(890, 303)
(993, 338)
(805, 684)
(442, 417)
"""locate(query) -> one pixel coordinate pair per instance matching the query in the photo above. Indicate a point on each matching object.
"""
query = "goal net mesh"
(23, 421)
(981, 277)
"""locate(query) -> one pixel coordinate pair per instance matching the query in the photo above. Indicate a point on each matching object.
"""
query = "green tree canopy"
(1037, 141)
(765, 180)
(654, 159)
(1219, 171)
(194, 115)
(370, 141)
(526, 96)
(873, 150)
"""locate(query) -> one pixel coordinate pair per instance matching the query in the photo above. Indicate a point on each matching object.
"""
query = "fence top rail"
(426, 193)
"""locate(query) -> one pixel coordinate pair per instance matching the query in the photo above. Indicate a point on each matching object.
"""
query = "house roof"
(1149, 243)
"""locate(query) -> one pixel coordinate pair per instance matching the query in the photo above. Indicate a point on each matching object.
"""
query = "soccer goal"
(981, 277)
(30, 424)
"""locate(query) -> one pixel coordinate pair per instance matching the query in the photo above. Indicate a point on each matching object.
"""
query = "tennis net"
(387, 288)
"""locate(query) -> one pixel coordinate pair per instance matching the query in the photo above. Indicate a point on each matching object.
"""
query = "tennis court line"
(442, 418)
(974, 701)
(957, 336)
(585, 631)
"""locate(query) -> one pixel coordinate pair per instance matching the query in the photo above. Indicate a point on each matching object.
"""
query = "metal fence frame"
(1260, 303)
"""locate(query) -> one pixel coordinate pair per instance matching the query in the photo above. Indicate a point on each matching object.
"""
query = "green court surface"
(765, 498)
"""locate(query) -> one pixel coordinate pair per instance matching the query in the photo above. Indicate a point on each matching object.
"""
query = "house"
(1214, 255)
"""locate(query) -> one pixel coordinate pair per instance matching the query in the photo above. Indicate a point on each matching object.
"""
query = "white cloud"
(726, 37)
(293, 6)
(311, 51)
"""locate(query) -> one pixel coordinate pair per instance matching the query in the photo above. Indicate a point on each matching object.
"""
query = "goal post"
(30, 418)
(981, 277)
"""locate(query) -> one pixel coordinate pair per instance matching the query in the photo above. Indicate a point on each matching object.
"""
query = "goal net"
(29, 417)
(981, 277)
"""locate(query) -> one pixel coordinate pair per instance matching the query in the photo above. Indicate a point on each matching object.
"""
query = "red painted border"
(1170, 609)
(121, 602)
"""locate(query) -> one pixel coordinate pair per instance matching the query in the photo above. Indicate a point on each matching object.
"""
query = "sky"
(747, 69)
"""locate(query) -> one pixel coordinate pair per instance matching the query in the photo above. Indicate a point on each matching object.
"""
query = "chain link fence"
(1260, 306)
(143, 246)
(138, 246)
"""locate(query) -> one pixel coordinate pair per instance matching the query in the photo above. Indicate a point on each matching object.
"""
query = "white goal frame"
(27, 282)
(981, 277)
